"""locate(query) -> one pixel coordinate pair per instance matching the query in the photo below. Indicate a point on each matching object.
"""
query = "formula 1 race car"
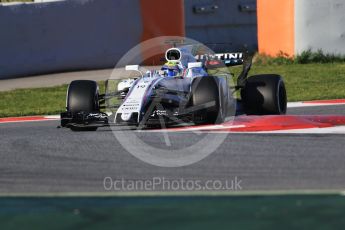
(181, 91)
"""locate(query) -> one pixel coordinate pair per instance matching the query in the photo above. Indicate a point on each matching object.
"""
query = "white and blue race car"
(181, 91)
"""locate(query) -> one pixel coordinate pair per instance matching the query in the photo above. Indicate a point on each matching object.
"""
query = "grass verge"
(310, 81)
(38, 101)
(303, 82)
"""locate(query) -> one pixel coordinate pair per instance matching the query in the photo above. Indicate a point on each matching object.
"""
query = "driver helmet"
(171, 69)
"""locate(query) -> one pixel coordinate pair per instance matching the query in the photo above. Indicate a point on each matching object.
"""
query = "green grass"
(306, 57)
(38, 101)
(310, 81)
(303, 82)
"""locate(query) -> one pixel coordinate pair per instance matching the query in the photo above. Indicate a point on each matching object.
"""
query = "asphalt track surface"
(36, 157)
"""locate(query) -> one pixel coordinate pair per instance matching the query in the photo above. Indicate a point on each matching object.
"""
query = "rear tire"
(264, 95)
(82, 96)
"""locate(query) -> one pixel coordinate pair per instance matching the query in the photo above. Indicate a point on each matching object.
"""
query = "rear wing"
(214, 55)
(227, 59)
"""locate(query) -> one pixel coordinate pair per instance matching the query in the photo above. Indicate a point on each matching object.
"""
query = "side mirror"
(132, 67)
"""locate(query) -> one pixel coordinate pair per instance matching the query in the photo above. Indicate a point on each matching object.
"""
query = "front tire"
(82, 96)
(205, 90)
